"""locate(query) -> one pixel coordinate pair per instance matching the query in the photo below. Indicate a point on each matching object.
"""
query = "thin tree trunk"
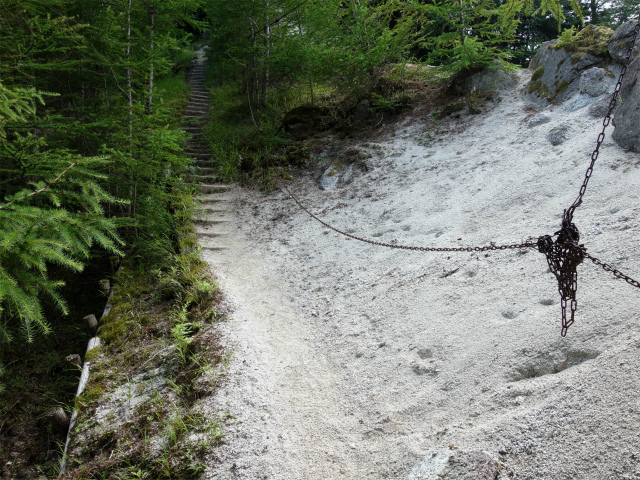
(595, 15)
(152, 14)
(267, 52)
(129, 95)
(129, 75)
(462, 22)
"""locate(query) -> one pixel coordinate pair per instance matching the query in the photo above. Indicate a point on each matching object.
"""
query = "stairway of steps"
(212, 228)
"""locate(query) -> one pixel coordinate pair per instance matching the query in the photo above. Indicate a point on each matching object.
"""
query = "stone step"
(215, 248)
(211, 188)
(205, 179)
(215, 221)
(212, 198)
(210, 171)
(194, 119)
(197, 110)
(211, 233)
(214, 208)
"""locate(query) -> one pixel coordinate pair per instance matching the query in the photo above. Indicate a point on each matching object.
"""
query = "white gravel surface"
(359, 362)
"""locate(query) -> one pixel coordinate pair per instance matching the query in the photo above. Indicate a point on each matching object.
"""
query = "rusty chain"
(564, 254)
(605, 123)
(522, 245)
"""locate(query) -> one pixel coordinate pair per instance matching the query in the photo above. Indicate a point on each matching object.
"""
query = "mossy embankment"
(140, 413)
(253, 143)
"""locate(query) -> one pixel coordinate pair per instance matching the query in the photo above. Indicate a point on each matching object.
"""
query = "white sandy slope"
(353, 361)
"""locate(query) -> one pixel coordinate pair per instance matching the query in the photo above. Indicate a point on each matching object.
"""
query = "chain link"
(616, 273)
(515, 246)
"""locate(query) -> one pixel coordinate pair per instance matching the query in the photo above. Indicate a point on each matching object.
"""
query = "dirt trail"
(353, 361)
(281, 386)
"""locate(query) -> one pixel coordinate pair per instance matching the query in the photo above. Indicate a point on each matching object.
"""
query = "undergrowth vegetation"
(140, 415)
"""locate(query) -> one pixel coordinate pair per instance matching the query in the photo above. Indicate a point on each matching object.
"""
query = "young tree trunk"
(595, 15)
(462, 22)
(152, 14)
(129, 94)
(267, 52)
(129, 75)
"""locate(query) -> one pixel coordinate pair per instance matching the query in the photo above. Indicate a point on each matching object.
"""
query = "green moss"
(609, 72)
(537, 74)
(562, 87)
(331, 173)
(116, 328)
(534, 87)
(592, 39)
(575, 58)
(92, 354)
(89, 396)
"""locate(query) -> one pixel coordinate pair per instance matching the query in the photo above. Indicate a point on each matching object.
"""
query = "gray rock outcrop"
(336, 176)
(596, 81)
(558, 68)
(626, 116)
(558, 135)
(621, 40)
(583, 71)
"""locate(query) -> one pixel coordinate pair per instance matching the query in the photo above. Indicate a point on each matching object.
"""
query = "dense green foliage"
(89, 140)
(91, 159)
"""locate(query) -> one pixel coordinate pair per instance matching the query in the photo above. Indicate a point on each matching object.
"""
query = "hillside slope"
(354, 361)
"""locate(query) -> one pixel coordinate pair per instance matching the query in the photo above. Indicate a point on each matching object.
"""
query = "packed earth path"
(352, 361)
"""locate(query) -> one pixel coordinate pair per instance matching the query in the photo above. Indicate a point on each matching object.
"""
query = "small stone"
(558, 135)
(74, 359)
(539, 119)
(425, 353)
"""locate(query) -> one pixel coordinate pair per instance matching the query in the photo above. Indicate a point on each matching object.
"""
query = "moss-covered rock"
(562, 87)
(558, 65)
(620, 42)
(537, 73)
(592, 39)
(534, 87)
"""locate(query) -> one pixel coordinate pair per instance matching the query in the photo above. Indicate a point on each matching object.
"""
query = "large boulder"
(559, 66)
(586, 68)
(486, 80)
(621, 41)
(626, 117)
